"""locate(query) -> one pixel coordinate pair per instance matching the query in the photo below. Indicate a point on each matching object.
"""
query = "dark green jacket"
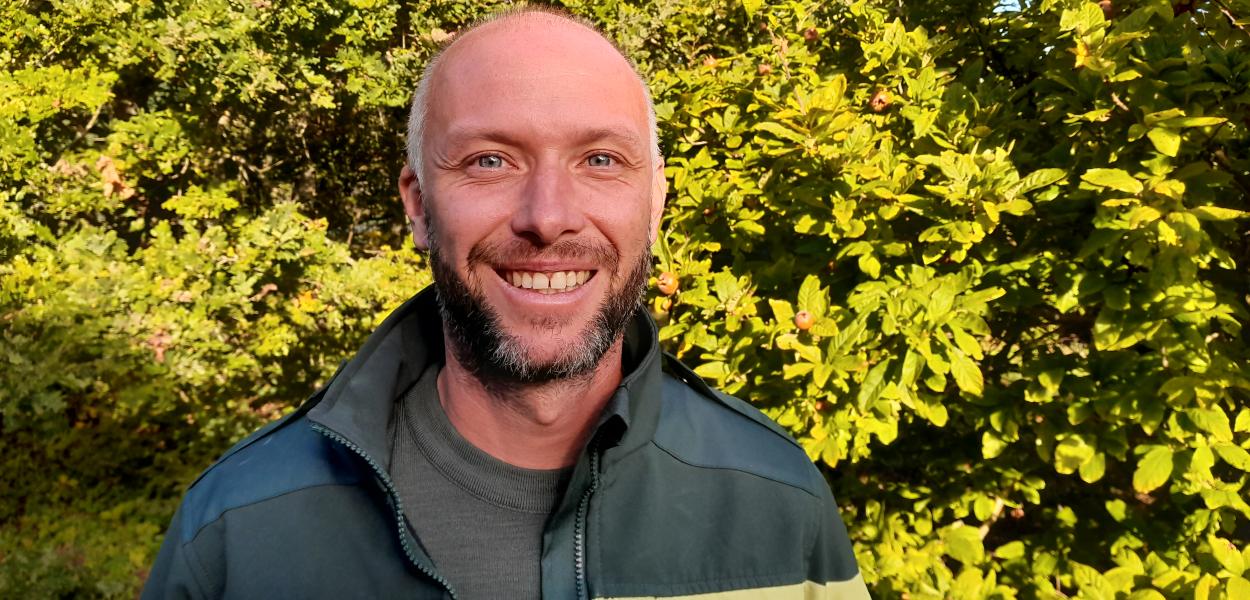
(681, 491)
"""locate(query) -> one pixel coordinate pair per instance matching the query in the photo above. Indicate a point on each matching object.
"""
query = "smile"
(547, 282)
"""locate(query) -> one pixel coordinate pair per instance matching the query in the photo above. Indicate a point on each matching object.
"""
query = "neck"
(534, 426)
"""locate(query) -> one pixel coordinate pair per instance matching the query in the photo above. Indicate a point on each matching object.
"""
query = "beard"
(498, 358)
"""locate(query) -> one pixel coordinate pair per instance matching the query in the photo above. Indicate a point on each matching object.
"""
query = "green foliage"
(1020, 233)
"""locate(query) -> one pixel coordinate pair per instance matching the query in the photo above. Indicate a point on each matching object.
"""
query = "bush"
(987, 261)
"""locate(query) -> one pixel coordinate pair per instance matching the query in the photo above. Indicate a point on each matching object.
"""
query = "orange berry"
(666, 283)
(804, 320)
(879, 101)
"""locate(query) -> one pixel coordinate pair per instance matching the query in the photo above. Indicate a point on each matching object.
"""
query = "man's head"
(535, 182)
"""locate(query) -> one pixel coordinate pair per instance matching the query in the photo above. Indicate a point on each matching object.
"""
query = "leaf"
(1213, 421)
(870, 389)
(1094, 468)
(1165, 140)
(1179, 122)
(963, 543)
(1234, 456)
(869, 265)
(967, 374)
(752, 6)
(1116, 179)
(1153, 469)
(1071, 454)
(782, 131)
(1039, 179)
(811, 297)
(1215, 213)
(1237, 587)
(1226, 554)
(715, 370)
(1010, 550)
(782, 311)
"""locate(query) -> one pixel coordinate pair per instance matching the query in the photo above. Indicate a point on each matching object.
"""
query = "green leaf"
(1116, 179)
(1215, 213)
(1179, 122)
(1237, 587)
(1039, 179)
(991, 445)
(782, 132)
(1226, 554)
(967, 374)
(1153, 469)
(1010, 550)
(811, 297)
(963, 543)
(1071, 454)
(1094, 468)
(715, 370)
(1234, 456)
(782, 311)
(1165, 140)
(1213, 421)
(874, 381)
(752, 6)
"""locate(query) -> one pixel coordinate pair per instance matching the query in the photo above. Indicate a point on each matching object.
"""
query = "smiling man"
(515, 431)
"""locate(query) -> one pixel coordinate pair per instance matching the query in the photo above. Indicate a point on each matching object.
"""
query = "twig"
(1232, 19)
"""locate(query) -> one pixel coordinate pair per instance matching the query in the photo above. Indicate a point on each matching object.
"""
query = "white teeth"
(547, 283)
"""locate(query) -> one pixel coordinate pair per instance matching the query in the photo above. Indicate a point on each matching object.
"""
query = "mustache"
(495, 253)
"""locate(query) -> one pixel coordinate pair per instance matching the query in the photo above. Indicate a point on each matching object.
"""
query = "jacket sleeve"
(833, 573)
(175, 574)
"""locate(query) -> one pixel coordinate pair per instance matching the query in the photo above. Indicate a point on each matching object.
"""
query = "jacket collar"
(358, 403)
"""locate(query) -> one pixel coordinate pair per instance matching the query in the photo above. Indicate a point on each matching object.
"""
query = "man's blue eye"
(489, 161)
(600, 160)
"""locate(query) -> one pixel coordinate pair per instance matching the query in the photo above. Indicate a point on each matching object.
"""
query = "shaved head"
(527, 22)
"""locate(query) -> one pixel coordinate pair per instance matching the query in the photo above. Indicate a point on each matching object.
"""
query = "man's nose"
(549, 208)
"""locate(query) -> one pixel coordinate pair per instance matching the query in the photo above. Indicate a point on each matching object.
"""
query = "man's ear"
(659, 189)
(414, 206)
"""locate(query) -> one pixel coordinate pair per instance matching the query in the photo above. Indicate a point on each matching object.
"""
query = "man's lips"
(546, 282)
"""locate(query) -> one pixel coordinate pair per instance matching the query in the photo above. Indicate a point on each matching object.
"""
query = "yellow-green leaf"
(1226, 554)
(963, 543)
(1153, 469)
(1233, 455)
(1165, 140)
(1116, 179)
(967, 374)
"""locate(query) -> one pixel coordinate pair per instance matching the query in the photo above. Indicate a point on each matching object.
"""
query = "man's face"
(539, 198)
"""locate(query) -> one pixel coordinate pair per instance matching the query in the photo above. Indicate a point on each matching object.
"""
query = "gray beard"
(499, 359)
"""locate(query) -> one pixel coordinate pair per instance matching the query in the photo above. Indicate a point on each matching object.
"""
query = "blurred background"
(986, 260)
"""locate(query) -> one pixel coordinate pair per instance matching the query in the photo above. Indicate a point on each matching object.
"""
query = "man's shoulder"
(283, 457)
(704, 427)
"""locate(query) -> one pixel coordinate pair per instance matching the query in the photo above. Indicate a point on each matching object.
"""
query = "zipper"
(396, 504)
(579, 529)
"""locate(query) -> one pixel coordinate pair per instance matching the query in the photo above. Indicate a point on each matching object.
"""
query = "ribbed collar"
(463, 464)
(359, 402)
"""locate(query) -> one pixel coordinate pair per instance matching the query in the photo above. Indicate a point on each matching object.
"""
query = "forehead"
(537, 73)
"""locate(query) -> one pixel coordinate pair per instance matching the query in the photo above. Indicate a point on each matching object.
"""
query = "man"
(513, 433)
